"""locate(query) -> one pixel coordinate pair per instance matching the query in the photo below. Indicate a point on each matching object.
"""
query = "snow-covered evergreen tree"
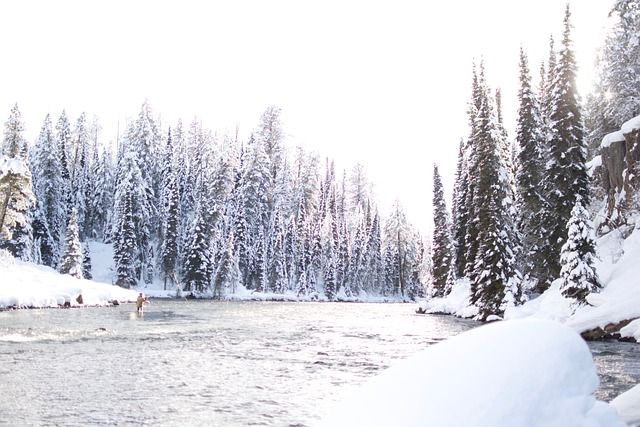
(578, 274)
(48, 186)
(131, 221)
(494, 265)
(63, 139)
(459, 214)
(566, 174)
(169, 248)
(621, 64)
(71, 261)
(16, 193)
(441, 242)
(530, 141)
(86, 262)
(227, 273)
(196, 271)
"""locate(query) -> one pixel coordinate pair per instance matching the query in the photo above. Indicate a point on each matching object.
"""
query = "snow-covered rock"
(631, 125)
(617, 136)
(513, 373)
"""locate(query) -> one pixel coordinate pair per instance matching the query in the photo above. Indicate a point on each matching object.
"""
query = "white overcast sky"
(383, 83)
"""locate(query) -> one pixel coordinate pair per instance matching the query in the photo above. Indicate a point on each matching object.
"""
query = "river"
(203, 363)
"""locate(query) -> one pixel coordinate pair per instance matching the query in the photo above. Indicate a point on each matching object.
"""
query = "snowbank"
(30, 285)
(516, 373)
(619, 299)
(628, 406)
(457, 302)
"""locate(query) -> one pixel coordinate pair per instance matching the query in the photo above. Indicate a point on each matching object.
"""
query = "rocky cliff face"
(619, 174)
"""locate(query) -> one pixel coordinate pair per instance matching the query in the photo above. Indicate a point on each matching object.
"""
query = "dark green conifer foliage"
(441, 241)
(71, 261)
(530, 166)
(579, 277)
(566, 175)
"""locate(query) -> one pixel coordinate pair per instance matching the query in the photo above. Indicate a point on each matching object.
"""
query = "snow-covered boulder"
(513, 373)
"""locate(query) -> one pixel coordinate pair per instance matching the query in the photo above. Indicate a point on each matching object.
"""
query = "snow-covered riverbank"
(618, 301)
(27, 285)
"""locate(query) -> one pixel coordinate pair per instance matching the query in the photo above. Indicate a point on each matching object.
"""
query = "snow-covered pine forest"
(204, 214)
(523, 210)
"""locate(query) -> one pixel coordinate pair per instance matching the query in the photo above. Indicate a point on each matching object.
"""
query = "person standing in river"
(140, 302)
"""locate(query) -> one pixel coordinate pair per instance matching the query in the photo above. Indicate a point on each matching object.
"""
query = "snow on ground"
(457, 302)
(618, 270)
(518, 373)
(103, 270)
(618, 300)
(102, 266)
(628, 406)
(29, 285)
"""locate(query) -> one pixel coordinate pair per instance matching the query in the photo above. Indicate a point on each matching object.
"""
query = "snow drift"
(516, 373)
(29, 285)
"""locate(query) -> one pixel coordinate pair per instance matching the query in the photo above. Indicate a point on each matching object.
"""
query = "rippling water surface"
(215, 363)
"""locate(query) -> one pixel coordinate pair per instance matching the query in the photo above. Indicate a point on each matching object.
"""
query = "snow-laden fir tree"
(48, 186)
(143, 138)
(103, 198)
(196, 278)
(131, 235)
(441, 241)
(401, 238)
(278, 268)
(71, 261)
(374, 268)
(459, 215)
(468, 208)
(621, 63)
(169, 247)
(227, 274)
(44, 246)
(16, 193)
(530, 142)
(330, 280)
(566, 173)
(125, 246)
(577, 258)
(79, 171)
(86, 261)
(63, 140)
(494, 266)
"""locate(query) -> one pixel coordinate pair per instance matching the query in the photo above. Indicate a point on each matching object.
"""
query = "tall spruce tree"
(48, 186)
(197, 267)
(494, 265)
(566, 174)
(71, 261)
(131, 220)
(530, 142)
(441, 241)
(459, 215)
(171, 197)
